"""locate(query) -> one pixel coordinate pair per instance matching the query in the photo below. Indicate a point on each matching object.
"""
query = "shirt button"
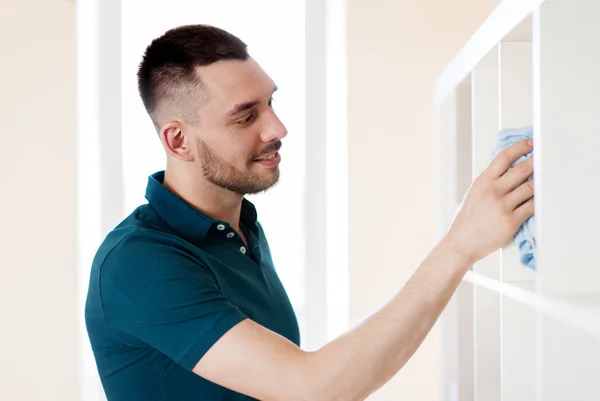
(243, 249)
(230, 235)
(220, 227)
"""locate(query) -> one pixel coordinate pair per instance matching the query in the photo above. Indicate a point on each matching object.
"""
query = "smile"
(271, 160)
(271, 157)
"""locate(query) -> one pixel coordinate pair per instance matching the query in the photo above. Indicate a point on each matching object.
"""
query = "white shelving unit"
(511, 333)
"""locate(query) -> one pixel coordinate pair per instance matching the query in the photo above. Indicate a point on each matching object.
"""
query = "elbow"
(303, 380)
(318, 381)
(308, 392)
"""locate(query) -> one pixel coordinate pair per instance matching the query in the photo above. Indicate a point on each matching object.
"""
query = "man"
(184, 302)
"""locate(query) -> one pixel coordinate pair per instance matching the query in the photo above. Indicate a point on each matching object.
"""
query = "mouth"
(270, 160)
(268, 157)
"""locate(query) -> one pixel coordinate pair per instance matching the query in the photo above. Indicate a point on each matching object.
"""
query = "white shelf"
(512, 333)
(581, 311)
(504, 24)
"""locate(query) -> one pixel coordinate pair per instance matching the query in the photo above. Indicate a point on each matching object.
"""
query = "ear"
(175, 142)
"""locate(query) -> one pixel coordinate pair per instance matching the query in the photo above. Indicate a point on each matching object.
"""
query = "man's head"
(212, 106)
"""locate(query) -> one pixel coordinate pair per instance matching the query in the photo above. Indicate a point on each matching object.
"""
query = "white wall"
(395, 51)
(38, 292)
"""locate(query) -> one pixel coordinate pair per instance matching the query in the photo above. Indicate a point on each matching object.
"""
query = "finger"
(507, 157)
(516, 175)
(521, 194)
(523, 212)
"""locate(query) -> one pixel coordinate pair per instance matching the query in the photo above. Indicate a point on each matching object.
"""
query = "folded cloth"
(525, 236)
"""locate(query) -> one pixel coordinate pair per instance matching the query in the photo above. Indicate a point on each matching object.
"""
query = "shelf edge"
(507, 16)
(577, 315)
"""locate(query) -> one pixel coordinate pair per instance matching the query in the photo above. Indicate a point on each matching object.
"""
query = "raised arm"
(255, 361)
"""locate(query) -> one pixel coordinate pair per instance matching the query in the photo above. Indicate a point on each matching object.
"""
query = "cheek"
(237, 155)
(235, 147)
(241, 152)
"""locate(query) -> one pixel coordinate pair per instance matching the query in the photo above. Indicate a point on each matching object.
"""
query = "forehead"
(235, 81)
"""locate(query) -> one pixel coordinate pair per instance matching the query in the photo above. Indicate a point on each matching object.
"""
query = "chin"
(271, 182)
(267, 174)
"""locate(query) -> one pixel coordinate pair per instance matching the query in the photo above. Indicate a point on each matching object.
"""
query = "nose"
(274, 129)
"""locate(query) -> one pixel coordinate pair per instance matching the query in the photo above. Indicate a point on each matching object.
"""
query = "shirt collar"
(190, 223)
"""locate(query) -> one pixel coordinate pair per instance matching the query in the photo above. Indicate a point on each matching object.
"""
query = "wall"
(396, 49)
(37, 201)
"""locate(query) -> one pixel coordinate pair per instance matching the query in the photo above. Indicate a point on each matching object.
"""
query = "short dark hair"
(168, 66)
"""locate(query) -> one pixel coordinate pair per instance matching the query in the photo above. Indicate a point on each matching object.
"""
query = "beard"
(223, 174)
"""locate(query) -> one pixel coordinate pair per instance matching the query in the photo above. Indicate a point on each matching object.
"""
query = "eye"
(271, 100)
(246, 120)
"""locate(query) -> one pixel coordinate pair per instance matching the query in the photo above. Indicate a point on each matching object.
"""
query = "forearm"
(359, 362)
(258, 362)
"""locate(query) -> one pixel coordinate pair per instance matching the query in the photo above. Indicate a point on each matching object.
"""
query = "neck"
(216, 202)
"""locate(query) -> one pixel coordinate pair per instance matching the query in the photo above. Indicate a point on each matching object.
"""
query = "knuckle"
(523, 167)
(530, 165)
(530, 185)
(491, 193)
(504, 156)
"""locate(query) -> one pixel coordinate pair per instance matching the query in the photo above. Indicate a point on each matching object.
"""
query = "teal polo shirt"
(165, 285)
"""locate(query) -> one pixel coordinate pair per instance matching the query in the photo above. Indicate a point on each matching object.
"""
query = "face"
(238, 134)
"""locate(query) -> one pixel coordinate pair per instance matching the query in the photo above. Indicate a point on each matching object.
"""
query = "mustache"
(272, 147)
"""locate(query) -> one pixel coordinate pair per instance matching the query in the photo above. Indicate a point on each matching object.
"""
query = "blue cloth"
(525, 236)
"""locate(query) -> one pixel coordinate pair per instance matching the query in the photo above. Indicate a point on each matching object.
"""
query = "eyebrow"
(238, 108)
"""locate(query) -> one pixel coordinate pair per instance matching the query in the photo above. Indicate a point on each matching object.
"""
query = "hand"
(495, 206)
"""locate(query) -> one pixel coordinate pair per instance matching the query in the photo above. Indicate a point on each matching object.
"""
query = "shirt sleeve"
(157, 291)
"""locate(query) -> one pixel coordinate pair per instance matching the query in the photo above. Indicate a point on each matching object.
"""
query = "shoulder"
(142, 248)
(144, 268)
(138, 246)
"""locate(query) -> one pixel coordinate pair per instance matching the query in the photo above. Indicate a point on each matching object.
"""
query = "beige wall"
(38, 328)
(395, 51)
